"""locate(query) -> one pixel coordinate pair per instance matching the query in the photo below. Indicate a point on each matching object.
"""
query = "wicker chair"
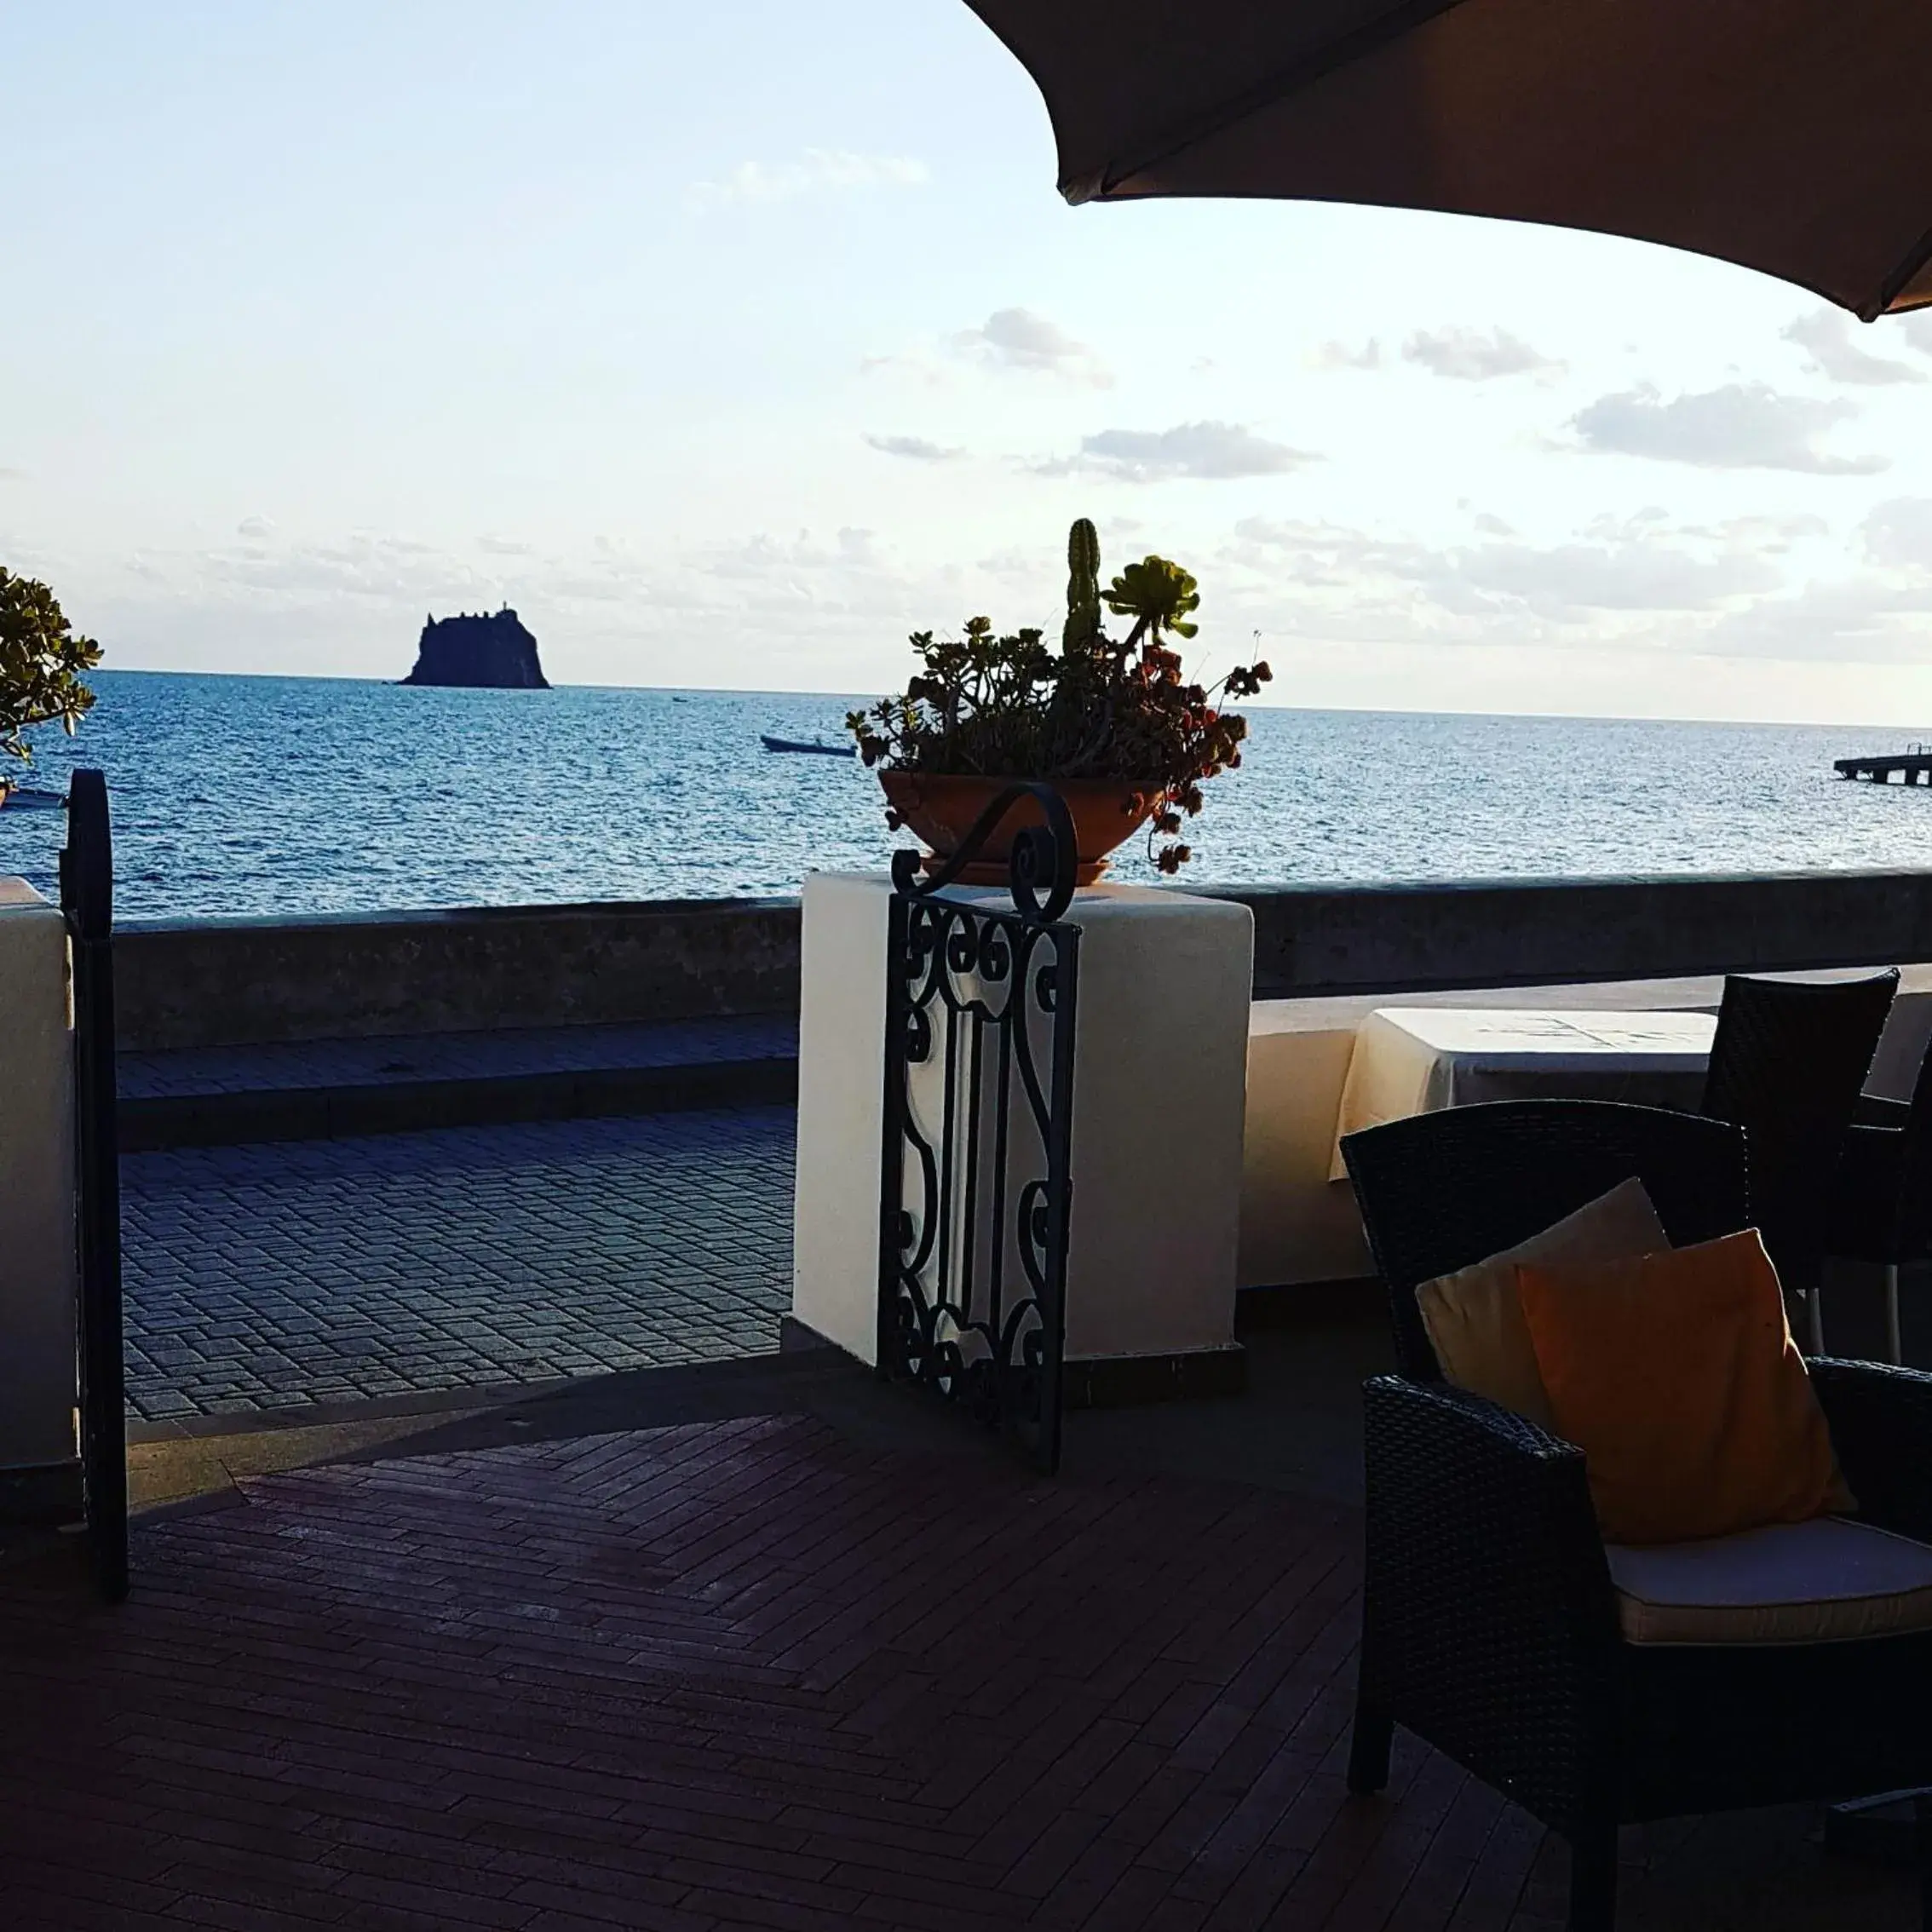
(1786, 1065)
(1489, 1623)
(1881, 1209)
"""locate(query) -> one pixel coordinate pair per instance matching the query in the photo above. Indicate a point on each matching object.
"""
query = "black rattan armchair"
(1489, 1623)
(1786, 1065)
(1881, 1209)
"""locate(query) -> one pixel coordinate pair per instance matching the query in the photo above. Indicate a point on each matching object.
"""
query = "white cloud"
(255, 528)
(1648, 583)
(817, 170)
(764, 557)
(1918, 331)
(1898, 534)
(1634, 566)
(1017, 338)
(1561, 580)
(1460, 354)
(820, 588)
(502, 546)
(915, 449)
(1010, 341)
(1773, 535)
(922, 363)
(1856, 619)
(1215, 452)
(1642, 584)
(1825, 335)
(1340, 355)
(360, 564)
(1469, 355)
(1741, 426)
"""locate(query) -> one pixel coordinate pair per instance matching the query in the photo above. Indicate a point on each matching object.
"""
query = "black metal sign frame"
(975, 1186)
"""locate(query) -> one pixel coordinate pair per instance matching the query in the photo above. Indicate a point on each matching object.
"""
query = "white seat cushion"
(1826, 1581)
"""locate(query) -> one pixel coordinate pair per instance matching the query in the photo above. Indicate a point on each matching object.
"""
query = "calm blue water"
(236, 795)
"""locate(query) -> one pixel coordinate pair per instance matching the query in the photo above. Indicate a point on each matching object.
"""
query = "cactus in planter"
(1104, 712)
(1082, 588)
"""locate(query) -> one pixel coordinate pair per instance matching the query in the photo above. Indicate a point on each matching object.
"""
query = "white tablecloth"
(1415, 1059)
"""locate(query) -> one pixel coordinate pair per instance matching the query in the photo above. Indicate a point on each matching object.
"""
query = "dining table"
(1415, 1059)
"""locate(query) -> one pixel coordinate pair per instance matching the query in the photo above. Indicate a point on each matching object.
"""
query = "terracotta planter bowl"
(941, 811)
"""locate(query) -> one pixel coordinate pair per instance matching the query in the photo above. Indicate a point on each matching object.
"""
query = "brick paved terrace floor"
(333, 1270)
(762, 1644)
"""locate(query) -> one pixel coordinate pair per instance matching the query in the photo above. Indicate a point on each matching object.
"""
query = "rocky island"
(483, 653)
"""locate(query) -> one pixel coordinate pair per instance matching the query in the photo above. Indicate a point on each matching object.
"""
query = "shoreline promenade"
(330, 1270)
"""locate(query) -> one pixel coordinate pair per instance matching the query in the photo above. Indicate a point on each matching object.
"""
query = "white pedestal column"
(39, 1290)
(1159, 1093)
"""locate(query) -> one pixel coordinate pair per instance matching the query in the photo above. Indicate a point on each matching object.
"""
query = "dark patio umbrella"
(1792, 136)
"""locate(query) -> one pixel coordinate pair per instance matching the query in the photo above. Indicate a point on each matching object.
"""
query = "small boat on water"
(29, 798)
(823, 750)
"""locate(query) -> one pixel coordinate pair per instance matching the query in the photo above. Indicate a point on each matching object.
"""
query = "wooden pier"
(1910, 766)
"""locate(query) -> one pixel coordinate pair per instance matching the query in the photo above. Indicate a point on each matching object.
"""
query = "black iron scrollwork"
(1044, 856)
(975, 1186)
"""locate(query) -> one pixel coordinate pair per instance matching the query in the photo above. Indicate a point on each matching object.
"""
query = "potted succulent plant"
(42, 657)
(1113, 725)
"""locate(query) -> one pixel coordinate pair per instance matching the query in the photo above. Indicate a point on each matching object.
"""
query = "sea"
(282, 796)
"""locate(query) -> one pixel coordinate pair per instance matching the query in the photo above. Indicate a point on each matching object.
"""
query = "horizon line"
(781, 690)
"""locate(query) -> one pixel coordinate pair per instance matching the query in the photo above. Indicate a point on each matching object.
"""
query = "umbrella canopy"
(1792, 136)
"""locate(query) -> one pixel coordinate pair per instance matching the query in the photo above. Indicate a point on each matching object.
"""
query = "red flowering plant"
(1099, 707)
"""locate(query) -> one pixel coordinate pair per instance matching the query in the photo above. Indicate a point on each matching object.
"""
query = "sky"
(731, 343)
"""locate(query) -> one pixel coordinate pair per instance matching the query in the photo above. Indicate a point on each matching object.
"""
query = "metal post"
(87, 898)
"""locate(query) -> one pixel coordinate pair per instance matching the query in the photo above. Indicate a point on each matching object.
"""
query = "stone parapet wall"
(244, 981)
(236, 982)
(1312, 940)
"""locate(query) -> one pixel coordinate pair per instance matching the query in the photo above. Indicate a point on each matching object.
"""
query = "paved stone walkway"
(331, 1271)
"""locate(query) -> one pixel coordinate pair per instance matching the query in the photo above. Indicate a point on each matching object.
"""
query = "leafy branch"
(42, 657)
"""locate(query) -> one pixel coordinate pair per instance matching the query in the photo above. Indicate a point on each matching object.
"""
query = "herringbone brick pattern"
(378, 1267)
(748, 1673)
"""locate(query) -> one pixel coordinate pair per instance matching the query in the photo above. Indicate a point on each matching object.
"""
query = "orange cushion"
(1675, 1375)
(1475, 1322)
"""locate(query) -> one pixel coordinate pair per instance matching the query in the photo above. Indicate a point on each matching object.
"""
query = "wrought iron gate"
(87, 898)
(976, 1191)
